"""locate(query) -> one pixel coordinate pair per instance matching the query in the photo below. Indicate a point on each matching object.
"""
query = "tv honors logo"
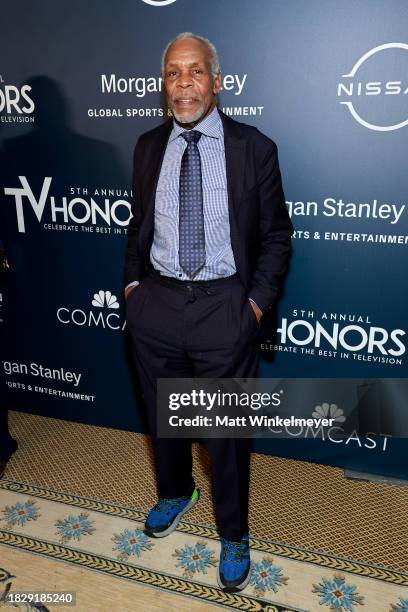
(76, 210)
(106, 302)
(15, 101)
(362, 82)
(337, 335)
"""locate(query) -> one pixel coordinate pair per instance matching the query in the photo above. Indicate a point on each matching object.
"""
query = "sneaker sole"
(238, 587)
(173, 526)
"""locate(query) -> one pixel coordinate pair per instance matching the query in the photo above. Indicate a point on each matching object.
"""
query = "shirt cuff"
(133, 284)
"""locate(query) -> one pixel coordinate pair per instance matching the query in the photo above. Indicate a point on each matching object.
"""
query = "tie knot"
(191, 136)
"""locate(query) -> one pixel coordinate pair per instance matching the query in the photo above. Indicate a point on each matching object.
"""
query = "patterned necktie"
(191, 216)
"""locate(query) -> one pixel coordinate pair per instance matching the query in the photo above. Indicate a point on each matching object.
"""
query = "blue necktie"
(191, 216)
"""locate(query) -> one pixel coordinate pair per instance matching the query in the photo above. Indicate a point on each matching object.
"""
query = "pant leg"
(222, 344)
(154, 318)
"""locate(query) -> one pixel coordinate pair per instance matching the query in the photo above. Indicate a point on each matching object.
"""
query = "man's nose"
(185, 80)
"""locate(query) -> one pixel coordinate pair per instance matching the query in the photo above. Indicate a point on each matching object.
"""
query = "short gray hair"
(215, 62)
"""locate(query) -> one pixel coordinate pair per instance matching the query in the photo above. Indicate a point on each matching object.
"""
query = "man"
(207, 245)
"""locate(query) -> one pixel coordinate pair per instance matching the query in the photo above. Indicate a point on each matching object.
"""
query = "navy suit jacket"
(260, 227)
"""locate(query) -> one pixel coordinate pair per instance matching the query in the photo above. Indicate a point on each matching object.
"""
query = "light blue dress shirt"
(164, 251)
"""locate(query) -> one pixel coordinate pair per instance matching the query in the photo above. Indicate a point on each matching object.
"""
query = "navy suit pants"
(200, 329)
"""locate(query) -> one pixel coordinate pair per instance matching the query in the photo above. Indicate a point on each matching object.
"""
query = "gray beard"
(188, 118)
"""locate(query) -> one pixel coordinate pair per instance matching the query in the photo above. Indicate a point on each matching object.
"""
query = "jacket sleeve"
(133, 263)
(275, 231)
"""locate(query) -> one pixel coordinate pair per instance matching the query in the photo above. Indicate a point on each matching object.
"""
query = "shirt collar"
(211, 126)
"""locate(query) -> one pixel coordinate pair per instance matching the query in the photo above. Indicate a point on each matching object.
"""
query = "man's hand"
(257, 311)
(129, 290)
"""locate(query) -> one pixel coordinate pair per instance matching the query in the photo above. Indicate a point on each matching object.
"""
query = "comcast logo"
(107, 316)
(329, 411)
(158, 2)
(105, 298)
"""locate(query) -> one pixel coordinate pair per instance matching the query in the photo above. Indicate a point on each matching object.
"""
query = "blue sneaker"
(164, 517)
(234, 570)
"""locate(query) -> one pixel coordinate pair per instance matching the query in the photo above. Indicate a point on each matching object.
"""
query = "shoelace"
(236, 555)
(167, 501)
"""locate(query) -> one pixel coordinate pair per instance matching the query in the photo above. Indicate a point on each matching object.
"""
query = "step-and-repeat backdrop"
(327, 81)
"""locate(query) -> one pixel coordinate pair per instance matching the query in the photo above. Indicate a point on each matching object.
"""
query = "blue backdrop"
(79, 82)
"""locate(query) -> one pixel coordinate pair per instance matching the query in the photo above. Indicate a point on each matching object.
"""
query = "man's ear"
(217, 83)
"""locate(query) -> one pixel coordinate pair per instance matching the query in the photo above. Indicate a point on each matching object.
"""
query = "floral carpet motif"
(109, 538)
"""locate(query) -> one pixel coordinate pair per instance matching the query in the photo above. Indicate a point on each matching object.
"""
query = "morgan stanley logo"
(88, 318)
(158, 2)
(377, 88)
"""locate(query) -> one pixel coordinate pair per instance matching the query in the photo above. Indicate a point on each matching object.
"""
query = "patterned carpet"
(319, 542)
(108, 538)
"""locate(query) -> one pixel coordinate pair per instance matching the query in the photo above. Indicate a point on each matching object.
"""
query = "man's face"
(190, 87)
